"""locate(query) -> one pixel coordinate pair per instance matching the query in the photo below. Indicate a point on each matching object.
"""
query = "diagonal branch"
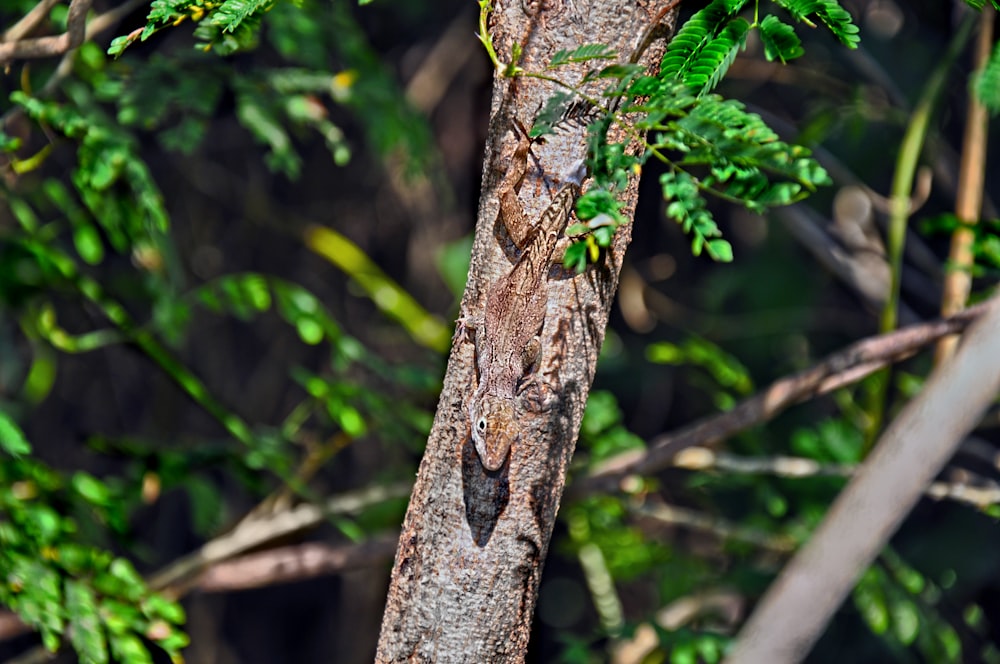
(44, 47)
(913, 449)
(838, 370)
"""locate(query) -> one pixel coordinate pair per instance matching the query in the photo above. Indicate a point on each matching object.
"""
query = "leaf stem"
(899, 208)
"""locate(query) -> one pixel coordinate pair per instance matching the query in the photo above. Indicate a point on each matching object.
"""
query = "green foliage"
(711, 145)
(705, 46)
(779, 39)
(61, 585)
(905, 609)
(829, 13)
(688, 647)
(602, 432)
(226, 27)
(108, 162)
(987, 82)
(584, 53)
(985, 240)
(90, 231)
(273, 104)
(832, 440)
(729, 379)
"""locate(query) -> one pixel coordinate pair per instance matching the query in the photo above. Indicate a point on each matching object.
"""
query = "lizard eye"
(481, 424)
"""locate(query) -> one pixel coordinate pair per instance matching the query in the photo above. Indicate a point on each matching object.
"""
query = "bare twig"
(29, 21)
(258, 531)
(44, 47)
(702, 458)
(717, 526)
(838, 370)
(969, 198)
(295, 563)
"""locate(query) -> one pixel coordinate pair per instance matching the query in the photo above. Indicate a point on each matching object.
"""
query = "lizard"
(506, 339)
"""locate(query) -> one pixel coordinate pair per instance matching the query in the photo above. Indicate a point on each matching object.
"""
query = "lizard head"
(493, 427)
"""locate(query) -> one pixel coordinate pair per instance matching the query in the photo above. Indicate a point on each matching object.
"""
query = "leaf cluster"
(709, 144)
(225, 26)
(66, 587)
(91, 231)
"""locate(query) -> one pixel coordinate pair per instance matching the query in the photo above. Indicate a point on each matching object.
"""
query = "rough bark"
(468, 566)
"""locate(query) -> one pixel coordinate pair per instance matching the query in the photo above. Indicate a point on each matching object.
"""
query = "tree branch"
(295, 563)
(838, 370)
(909, 454)
(44, 47)
(466, 574)
(28, 22)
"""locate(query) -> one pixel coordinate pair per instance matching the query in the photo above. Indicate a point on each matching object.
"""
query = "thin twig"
(838, 370)
(44, 47)
(29, 21)
(252, 533)
(288, 564)
(702, 458)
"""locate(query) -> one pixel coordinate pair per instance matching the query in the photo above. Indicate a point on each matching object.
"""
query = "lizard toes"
(537, 396)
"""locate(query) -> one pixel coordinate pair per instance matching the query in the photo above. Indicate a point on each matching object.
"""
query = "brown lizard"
(508, 348)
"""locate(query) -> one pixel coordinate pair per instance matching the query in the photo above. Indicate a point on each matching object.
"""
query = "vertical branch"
(466, 575)
(969, 200)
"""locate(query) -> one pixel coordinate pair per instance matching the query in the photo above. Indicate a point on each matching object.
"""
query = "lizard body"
(507, 344)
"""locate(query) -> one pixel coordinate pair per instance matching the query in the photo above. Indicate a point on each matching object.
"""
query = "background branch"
(912, 451)
(44, 47)
(838, 370)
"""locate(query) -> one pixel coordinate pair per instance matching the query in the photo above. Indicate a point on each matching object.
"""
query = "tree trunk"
(467, 570)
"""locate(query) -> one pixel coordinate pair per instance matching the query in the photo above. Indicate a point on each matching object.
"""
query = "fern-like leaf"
(828, 12)
(704, 48)
(987, 82)
(717, 55)
(685, 49)
(720, 131)
(555, 108)
(583, 53)
(779, 39)
(686, 206)
(232, 13)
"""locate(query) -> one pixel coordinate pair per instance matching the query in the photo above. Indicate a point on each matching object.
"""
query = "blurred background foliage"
(232, 243)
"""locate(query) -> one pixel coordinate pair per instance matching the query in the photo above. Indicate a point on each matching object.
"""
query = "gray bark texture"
(467, 569)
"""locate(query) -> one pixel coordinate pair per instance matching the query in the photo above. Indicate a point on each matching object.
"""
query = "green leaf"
(231, 14)
(129, 649)
(12, 440)
(869, 598)
(87, 631)
(719, 250)
(717, 56)
(92, 489)
(583, 53)
(688, 52)
(987, 82)
(828, 12)
(686, 206)
(39, 602)
(779, 39)
(575, 258)
(905, 620)
(254, 113)
(159, 607)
